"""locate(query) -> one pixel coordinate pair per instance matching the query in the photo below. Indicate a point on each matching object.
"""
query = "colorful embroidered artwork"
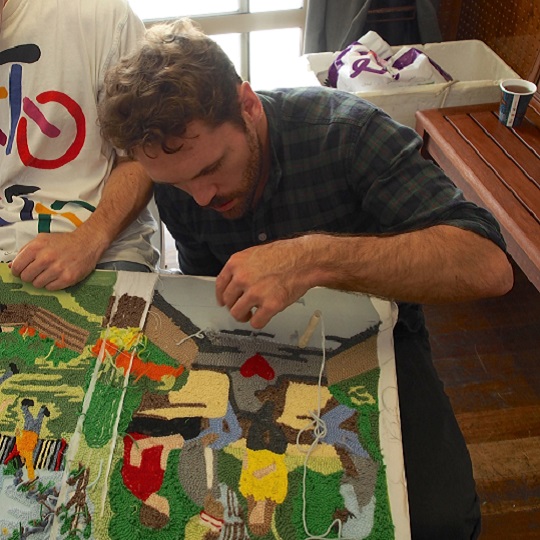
(195, 427)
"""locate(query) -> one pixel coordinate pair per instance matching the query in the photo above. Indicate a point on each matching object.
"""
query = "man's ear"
(251, 106)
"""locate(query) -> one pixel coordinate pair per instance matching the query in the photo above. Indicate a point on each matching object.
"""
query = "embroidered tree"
(75, 515)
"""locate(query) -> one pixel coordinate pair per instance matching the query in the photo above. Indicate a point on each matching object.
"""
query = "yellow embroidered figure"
(27, 441)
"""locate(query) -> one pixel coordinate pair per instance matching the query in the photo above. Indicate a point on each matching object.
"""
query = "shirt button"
(262, 237)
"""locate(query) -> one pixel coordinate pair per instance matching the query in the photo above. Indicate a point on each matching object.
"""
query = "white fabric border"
(389, 420)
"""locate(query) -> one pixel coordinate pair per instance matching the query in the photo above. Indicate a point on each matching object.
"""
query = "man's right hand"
(261, 281)
(56, 260)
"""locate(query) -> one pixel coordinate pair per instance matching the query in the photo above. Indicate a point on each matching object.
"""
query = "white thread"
(319, 431)
(75, 438)
(114, 435)
(199, 335)
(156, 316)
(91, 486)
(129, 281)
(319, 428)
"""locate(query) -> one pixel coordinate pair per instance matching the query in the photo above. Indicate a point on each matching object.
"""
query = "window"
(262, 37)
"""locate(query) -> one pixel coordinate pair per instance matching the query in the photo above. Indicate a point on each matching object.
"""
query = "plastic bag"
(368, 64)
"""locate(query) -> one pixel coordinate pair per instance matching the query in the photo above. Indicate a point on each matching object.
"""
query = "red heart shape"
(257, 365)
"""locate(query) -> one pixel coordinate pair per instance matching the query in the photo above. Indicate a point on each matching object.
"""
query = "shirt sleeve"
(402, 190)
(119, 35)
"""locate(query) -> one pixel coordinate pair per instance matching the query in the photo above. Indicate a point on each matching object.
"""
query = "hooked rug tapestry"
(133, 407)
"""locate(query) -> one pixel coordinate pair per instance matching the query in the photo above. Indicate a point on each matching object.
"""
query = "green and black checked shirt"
(339, 165)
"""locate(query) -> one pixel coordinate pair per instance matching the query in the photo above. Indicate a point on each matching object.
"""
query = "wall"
(510, 28)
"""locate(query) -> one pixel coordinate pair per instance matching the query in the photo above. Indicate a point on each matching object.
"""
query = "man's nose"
(202, 193)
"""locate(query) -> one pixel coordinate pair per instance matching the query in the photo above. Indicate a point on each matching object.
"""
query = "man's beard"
(250, 182)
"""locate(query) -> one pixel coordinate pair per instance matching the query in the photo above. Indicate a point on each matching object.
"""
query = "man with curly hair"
(276, 192)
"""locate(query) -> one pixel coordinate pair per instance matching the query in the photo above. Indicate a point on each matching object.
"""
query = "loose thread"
(317, 424)
(153, 314)
(115, 428)
(199, 335)
(319, 428)
(49, 353)
(133, 440)
(75, 439)
(91, 486)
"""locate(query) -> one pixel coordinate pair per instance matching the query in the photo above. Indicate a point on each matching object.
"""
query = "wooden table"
(496, 167)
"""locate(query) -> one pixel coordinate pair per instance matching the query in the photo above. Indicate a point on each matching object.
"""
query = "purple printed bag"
(360, 67)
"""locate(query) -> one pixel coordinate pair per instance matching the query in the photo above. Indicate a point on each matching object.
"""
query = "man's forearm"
(433, 265)
(126, 193)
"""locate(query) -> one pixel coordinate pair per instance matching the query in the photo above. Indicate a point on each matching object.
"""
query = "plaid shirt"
(339, 165)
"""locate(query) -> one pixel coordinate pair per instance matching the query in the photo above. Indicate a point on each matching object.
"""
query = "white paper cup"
(516, 96)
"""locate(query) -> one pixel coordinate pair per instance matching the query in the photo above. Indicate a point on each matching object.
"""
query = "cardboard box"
(476, 71)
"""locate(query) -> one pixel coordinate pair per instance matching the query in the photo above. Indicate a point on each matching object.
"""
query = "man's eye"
(214, 168)
(211, 169)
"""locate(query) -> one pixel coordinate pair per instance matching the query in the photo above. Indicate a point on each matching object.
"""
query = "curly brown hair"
(177, 75)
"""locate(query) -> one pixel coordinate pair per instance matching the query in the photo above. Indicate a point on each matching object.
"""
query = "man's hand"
(56, 260)
(438, 264)
(261, 281)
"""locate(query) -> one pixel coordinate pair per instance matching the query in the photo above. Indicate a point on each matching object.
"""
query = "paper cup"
(516, 96)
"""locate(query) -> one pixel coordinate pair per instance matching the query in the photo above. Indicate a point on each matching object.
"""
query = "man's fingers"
(256, 309)
(21, 262)
(261, 317)
(231, 296)
(222, 282)
(245, 317)
(56, 285)
(252, 288)
(241, 307)
(42, 275)
(32, 272)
